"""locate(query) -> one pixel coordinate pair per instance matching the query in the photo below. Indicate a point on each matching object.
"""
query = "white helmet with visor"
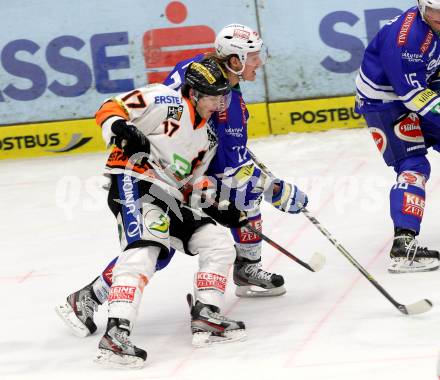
(423, 4)
(240, 40)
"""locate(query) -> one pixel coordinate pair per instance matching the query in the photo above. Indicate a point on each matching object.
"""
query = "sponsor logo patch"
(379, 138)
(412, 178)
(433, 64)
(409, 178)
(405, 28)
(121, 293)
(175, 112)
(204, 71)
(427, 42)
(243, 34)
(247, 236)
(412, 57)
(108, 275)
(168, 99)
(413, 205)
(409, 129)
(207, 280)
(424, 98)
(157, 223)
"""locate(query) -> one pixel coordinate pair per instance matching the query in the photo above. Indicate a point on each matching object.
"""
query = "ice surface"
(57, 234)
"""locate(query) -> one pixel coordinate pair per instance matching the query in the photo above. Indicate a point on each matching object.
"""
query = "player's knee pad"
(132, 271)
(409, 178)
(214, 247)
(137, 261)
(418, 164)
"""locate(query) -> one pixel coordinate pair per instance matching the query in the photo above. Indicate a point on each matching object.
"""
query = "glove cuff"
(107, 131)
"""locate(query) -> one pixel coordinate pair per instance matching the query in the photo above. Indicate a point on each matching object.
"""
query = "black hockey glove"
(130, 139)
(230, 217)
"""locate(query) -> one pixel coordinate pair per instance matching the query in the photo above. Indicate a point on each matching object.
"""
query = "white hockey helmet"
(434, 4)
(237, 39)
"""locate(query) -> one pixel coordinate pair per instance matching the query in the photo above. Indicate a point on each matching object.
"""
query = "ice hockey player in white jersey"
(242, 51)
(161, 142)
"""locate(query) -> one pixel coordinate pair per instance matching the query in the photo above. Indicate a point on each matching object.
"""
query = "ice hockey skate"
(407, 257)
(253, 281)
(208, 326)
(78, 310)
(115, 348)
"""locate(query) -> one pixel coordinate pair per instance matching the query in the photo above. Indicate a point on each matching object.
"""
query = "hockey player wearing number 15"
(396, 92)
(242, 51)
(161, 141)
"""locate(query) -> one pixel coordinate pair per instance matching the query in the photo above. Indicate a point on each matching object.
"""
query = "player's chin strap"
(196, 99)
(238, 73)
(418, 307)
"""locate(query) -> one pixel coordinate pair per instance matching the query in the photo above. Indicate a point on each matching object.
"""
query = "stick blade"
(317, 262)
(419, 307)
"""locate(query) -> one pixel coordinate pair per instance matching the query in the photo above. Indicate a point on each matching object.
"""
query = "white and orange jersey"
(180, 151)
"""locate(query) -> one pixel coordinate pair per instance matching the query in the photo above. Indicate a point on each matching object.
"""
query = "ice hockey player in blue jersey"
(241, 50)
(397, 92)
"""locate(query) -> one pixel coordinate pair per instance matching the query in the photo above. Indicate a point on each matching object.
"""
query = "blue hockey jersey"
(400, 65)
(176, 76)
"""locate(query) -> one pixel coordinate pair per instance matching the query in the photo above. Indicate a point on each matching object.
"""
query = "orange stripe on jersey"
(193, 116)
(109, 109)
(117, 160)
(201, 124)
(191, 110)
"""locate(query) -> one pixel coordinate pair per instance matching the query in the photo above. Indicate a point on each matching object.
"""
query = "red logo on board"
(164, 47)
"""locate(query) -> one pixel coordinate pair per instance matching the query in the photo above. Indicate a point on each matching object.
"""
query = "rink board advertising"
(64, 66)
(54, 138)
(314, 115)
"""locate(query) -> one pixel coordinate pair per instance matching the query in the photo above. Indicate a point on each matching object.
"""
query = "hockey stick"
(418, 307)
(315, 264)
